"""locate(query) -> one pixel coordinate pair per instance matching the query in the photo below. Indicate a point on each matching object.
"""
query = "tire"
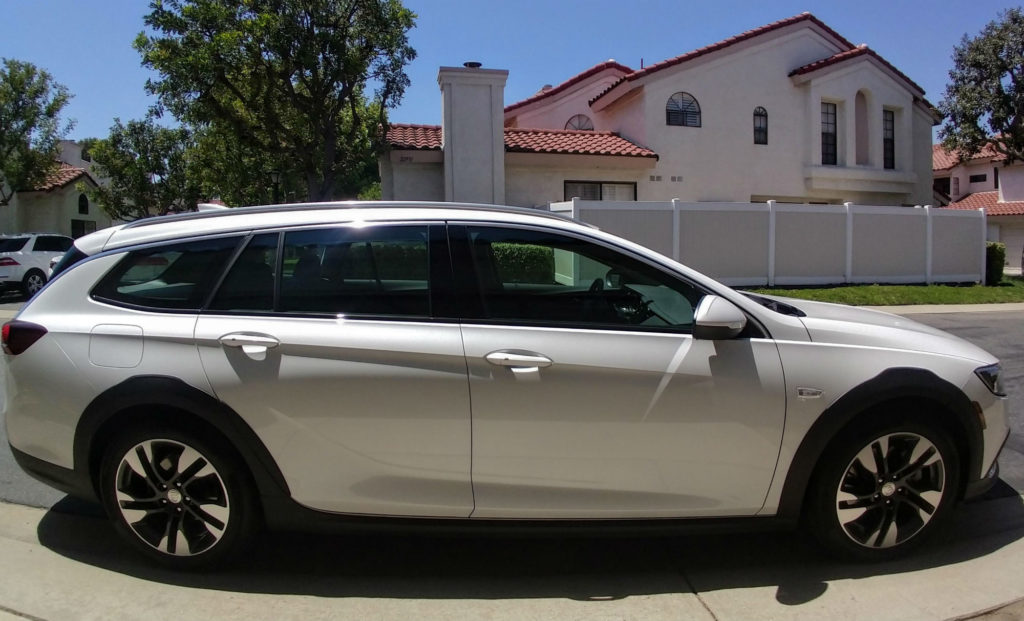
(32, 282)
(858, 515)
(157, 479)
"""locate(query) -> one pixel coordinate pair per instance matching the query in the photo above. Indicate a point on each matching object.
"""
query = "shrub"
(995, 258)
(524, 263)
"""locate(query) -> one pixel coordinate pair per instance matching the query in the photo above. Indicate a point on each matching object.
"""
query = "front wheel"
(178, 497)
(880, 492)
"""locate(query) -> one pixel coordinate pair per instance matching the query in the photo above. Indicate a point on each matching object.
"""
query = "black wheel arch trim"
(172, 393)
(892, 385)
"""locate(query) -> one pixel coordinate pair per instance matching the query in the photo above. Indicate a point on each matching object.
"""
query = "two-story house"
(790, 111)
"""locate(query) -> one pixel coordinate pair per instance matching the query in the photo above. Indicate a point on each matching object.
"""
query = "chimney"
(473, 142)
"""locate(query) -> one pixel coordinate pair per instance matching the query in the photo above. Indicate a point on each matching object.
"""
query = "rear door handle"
(518, 359)
(253, 345)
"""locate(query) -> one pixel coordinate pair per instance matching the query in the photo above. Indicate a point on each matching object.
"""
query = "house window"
(600, 191)
(979, 178)
(581, 122)
(828, 134)
(995, 177)
(83, 204)
(941, 185)
(760, 125)
(956, 186)
(82, 227)
(889, 138)
(682, 109)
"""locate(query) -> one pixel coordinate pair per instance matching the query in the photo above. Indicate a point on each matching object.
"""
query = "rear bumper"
(68, 481)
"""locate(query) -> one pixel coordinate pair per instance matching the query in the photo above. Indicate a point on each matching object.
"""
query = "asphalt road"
(1001, 333)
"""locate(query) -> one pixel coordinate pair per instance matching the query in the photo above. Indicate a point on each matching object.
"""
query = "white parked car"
(475, 366)
(25, 259)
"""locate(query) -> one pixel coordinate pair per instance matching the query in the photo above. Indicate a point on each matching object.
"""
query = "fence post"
(984, 242)
(849, 242)
(676, 235)
(771, 243)
(929, 245)
(576, 208)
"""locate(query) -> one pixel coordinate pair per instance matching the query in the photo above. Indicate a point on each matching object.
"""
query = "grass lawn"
(1011, 289)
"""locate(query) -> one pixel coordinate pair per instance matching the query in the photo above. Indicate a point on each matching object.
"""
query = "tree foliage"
(31, 103)
(148, 168)
(985, 96)
(286, 83)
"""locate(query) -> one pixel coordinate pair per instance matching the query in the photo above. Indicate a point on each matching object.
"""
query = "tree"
(148, 168)
(288, 79)
(30, 125)
(984, 102)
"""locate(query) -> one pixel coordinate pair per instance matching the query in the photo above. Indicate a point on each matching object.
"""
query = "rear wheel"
(32, 282)
(881, 491)
(178, 497)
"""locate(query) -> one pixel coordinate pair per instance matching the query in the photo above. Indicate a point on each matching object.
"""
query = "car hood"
(852, 325)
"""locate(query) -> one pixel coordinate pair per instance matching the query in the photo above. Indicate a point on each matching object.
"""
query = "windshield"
(12, 244)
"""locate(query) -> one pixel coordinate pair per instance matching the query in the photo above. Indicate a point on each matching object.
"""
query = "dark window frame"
(578, 119)
(600, 187)
(83, 204)
(889, 139)
(979, 178)
(829, 134)
(760, 125)
(682, 110)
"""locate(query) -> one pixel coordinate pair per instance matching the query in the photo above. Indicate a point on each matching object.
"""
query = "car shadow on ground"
(585, 568)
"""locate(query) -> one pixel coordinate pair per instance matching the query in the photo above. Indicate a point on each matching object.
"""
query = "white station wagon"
(475, 366)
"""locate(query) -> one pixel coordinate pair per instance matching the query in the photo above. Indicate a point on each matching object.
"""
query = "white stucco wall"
(559, 108)
(52, 212)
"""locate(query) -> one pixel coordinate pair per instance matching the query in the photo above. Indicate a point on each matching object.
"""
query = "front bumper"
(978, 487)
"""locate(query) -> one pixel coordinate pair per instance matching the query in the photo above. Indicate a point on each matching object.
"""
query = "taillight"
(7, 262)
(20, 335)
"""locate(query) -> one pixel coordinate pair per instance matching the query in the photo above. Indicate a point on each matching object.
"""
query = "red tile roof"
(989, 201)
(407, 136)
(945, 160)
(610, 64)
(714, 47)
(518, 140)
(61, 177)
(860, 50)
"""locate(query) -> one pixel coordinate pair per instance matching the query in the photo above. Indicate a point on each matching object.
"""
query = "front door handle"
(253, 345)
(518, 359)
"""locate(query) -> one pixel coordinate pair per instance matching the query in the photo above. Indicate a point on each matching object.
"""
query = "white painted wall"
(559, 108)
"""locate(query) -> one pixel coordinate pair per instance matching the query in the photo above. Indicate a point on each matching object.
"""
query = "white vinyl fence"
(757, 244)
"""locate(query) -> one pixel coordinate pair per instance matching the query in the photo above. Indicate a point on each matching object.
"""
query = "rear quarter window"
(173, 277)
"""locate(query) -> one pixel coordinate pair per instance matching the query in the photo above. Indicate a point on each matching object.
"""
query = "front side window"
(760, 125)
(176, 276)
(889, 138)
(379, 271)
(52, 243)
(829, 143)
(538, 277)
(682, 109)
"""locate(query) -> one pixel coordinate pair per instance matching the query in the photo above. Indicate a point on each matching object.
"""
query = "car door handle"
(253, 345)
(518, 359)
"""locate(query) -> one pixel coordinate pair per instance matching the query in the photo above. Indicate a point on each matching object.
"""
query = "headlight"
(990, 377)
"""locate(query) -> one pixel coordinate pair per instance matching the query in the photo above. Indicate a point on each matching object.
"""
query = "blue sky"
(86, 44)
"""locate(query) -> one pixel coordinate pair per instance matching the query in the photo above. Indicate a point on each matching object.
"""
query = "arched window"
(581, 122)
(83, 204)
(760, 125)
(682, 109)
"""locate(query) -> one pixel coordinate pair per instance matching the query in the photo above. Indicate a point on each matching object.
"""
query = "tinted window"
(12, 244)
(52, 243)
(177, 276)
(357, 271)
(540, 277)
(249, 284)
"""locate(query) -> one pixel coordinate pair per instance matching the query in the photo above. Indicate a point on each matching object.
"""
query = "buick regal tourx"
(206, 375)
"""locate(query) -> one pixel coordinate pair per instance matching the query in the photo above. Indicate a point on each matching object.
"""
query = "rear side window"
(175, 277)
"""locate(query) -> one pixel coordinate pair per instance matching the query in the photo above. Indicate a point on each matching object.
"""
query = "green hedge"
(524, 263)
(995, 258)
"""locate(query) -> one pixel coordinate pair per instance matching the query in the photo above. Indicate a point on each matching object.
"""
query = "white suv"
(477, 366)
(25, 259)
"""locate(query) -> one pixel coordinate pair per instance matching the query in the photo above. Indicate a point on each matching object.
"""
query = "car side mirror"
(717, 319)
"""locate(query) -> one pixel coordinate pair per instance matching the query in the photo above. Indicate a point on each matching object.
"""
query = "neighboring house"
(986, 182)
(790, 111)
(55, 206)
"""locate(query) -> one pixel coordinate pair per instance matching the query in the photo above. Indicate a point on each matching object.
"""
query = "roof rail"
(344, 205)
